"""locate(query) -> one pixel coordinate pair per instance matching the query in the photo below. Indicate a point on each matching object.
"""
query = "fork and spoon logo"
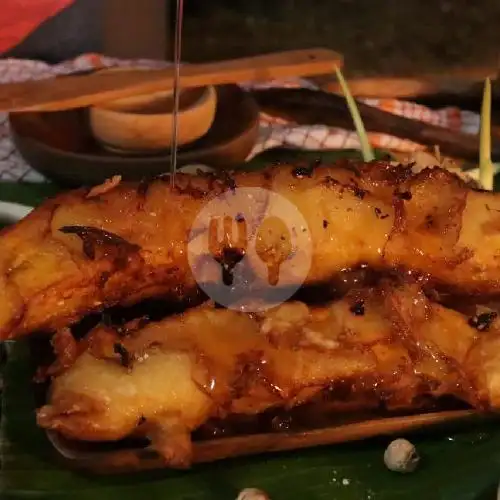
(250, 249)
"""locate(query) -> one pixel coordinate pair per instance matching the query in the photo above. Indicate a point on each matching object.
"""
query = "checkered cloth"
(273, 132)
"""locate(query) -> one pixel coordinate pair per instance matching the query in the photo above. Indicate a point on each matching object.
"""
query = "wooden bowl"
(145, 123)
(61, 146)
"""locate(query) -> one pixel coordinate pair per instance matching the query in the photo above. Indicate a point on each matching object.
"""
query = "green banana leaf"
(27, 193)
(456, 463)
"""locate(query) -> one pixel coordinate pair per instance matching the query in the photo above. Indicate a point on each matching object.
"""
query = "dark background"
(402, 37)
(120, 28)
(377, 37)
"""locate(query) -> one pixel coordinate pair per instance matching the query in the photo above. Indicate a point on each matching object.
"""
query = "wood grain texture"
(79, 456)
(84, 90)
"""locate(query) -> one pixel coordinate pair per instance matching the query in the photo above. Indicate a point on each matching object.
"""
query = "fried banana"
(388, 345)
(85, 251)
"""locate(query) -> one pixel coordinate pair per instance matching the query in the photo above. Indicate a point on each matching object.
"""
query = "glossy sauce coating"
(79, 254)
(379, 346)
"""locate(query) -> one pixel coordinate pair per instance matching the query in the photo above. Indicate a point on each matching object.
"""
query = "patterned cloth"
(273, 132)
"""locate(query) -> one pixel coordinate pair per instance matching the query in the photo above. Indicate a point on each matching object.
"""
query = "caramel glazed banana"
(387, 345)
(84, 251)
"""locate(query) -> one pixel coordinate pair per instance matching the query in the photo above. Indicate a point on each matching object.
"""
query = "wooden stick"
(69, 92)
(126, 460)
(309, 107)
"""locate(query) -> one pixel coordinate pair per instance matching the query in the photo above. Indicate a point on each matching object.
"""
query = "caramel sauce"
(312, 367)
(357, 347)
(319, 414)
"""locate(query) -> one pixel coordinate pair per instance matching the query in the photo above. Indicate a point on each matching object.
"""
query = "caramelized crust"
(78, 254)
(386, 346)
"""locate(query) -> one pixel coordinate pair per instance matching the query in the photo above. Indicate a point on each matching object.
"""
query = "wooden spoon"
(56, 94)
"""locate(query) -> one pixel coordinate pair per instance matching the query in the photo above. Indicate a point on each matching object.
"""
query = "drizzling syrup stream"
(177, 90)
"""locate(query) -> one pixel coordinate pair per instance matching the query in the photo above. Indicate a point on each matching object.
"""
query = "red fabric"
(19, 18)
